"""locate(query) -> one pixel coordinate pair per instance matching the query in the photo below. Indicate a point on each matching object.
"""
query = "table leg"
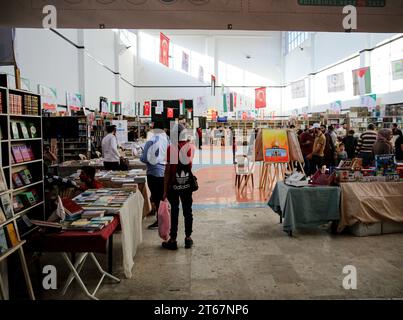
(110, 254)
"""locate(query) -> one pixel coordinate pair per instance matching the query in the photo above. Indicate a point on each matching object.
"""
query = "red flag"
(260, 98)
(235, 99)
(170, 113)
(164, 49)
(244, 115)
(147, 108)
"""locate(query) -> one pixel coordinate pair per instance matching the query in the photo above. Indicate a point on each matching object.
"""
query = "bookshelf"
(21, 187)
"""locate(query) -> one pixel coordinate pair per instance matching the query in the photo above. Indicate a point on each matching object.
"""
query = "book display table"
(305, 207)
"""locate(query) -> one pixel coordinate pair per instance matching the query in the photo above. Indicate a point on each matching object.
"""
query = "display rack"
(71, 148)
(22, 195)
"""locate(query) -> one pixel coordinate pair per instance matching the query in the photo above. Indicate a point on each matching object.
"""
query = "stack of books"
(23, 130)
(93, 224)
(103, 198)
(25, 200)
(72, 209)
(89, 214)
(15, 104)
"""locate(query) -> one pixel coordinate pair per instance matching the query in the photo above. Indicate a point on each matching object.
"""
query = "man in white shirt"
(110, 151)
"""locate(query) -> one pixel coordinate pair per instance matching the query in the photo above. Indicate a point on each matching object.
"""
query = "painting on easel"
(275, 146)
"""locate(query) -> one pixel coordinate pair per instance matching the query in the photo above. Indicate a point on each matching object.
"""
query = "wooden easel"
(271, 173)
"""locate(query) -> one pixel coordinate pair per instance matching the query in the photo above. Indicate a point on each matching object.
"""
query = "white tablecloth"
(131, 216)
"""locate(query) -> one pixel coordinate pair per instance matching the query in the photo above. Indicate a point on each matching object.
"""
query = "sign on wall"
(298, 89)
(74, 101)
(335, 107)
(164, 50)
(48, 98)
(335, 82)
(397, 69)
(121, 130)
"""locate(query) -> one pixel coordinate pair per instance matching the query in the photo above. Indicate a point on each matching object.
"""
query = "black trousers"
(114, 166)
(187, 201)
(316, 163)
(156, 186)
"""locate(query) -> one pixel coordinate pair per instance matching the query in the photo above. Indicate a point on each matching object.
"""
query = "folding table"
(85, 244)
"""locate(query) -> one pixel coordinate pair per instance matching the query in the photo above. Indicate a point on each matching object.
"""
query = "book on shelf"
(27, 198)
(30, 153)
(17, 155)
(25, 154)
(3, 241)
(6, 205)
(17, 180)
(33, 131)
(24, 130)
(18, 205)
(14, 130)
(25, 176)
(2, 215)
(3, 182)
(12, 235)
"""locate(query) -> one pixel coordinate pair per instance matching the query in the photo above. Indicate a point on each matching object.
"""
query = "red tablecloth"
(77, 241)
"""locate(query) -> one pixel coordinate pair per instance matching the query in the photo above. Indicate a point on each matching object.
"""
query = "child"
(342, 154)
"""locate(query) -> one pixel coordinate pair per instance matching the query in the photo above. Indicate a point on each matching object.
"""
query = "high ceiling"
(201, 14)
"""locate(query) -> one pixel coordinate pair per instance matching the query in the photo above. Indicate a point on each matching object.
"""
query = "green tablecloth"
(305, 207)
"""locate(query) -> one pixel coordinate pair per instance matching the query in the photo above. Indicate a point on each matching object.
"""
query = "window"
(295, 39)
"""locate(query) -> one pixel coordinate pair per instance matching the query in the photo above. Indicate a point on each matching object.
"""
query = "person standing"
(306, 141)
(178, 186)
(330, 149)
(154, 156)
(396, 131)
(350, 143)
(365, 145)
(110, 151)
(318, 151)
(383, 144)
(399, 147)
(200, 136)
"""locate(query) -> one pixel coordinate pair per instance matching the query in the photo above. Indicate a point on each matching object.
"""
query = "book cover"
(32, 130)
(6, 204)
(24, 152)
(2, 215)
(12, 235)
(3, 241)
(18, 205)
(24, 177)
(14, 130)
(27, 198)
(30, 153)
(71, 207)
(17, 154)
(17, 180)
(3, 183)
(24, 130)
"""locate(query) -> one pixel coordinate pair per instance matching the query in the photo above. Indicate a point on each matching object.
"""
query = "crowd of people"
(325, 146)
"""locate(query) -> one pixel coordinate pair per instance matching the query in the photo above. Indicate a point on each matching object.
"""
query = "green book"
(14, 130)
(33, 130)
(24, 130)
(27, 198)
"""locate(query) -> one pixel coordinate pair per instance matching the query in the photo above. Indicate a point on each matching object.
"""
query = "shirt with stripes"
(366, 141)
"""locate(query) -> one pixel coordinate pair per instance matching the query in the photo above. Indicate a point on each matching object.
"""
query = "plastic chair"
(244, 170)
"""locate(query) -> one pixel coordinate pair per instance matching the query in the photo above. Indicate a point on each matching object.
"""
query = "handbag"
(164, 220)
(185, 180)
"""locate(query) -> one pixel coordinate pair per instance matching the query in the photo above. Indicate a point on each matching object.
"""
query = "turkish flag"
(244, 116)
(260, 98)
(170, 113)
(164, 49)
(147, 108)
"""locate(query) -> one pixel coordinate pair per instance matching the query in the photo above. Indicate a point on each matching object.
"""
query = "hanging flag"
(235, 100)
(213, 85)
(231, 102)
(225, 106)
(362, 81)
(260, 98)
(164, 50)
(182, 107)
(170, 113)
(147, 108)
(244, 115)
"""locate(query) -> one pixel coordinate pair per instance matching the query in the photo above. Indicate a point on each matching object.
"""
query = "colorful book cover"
(28, 199)
(24, 177)
(25, 153)
(17, 154)
(12, 235)
(17, 180)
(6, 204)
(3, 183)
(2, 215)
(3, 241)
(30, 153)
(17, 204)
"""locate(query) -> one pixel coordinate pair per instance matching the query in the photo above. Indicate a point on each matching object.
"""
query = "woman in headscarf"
(383, 144)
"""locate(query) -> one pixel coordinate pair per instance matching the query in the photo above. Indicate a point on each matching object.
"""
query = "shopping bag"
(164, 219)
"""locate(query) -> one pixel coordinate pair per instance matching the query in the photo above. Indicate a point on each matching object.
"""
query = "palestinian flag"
(225, 105)
(362, 81)
(182, 107)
